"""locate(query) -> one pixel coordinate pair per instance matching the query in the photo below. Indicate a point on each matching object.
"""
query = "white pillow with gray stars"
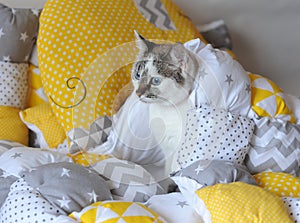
(20, 159)
(18, 33)
(166, 205)
(222, 82)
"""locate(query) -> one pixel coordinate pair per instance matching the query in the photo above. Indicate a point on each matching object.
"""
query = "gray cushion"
(5, 182)
(68, 186)
(18, 33)
(128, 181)
(209, 173)
(275, 146)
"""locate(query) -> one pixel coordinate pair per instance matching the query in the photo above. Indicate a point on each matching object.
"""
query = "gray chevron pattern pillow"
(128, 181)
(275, 146)
(155, 12)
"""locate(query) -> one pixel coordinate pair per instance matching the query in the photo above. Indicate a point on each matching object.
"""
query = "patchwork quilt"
(67, 156)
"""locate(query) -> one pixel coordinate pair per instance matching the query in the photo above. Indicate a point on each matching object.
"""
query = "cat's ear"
(143, 44)
(179, 55)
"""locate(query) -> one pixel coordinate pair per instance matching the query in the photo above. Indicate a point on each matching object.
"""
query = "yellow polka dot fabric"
(87, 159)
(36, 93)
(282, 184)
(11, 126)
(117, 211)
(44, 123)
(73, 34)
(268, 99)
(240, 202)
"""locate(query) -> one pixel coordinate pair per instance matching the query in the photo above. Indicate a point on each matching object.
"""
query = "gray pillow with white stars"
(18, 33)
(6, 180)
(211, 172)
(68, 186)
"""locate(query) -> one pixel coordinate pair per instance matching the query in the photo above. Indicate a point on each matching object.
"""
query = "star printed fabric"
(211, 172)
(222, 82)
(18, 33)
(19, 159)
(25, 204)
(167, 204)
(68, 186)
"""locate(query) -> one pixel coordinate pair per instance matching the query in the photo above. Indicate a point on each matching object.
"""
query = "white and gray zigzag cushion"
(128, 181)
(275, 146)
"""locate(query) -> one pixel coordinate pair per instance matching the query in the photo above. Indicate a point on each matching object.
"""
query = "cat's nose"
(138, 93)
(141, 90)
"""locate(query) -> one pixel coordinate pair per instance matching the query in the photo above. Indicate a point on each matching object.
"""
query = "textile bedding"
(76, 170)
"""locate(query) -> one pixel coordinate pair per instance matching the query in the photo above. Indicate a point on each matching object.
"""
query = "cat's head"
(163, 73)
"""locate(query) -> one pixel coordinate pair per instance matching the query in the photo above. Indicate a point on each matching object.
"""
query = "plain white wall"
(265, 33)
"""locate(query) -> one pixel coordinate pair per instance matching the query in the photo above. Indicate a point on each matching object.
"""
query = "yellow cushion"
(36, 94)
(117, 211)
(11, 126)
(282, 184)
(268, 99)
(74, 33)
(43, 122)
(241, 202)
(87, 159)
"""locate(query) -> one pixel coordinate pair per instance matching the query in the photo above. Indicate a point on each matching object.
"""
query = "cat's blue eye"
(156, 80)
(137, 75)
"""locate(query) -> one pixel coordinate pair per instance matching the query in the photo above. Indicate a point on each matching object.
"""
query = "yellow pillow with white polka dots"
(41, 120)
(73, 34)
(11, 126)
(268, 99)
(240, 202)
(282, 184)
(117, 211)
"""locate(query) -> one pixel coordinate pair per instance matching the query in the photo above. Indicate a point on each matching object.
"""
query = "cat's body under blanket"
(149, 127)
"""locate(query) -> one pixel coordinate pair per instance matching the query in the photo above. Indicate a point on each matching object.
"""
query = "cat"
(163, 76)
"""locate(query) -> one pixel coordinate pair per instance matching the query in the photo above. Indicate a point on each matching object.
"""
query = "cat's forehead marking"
(151, 68)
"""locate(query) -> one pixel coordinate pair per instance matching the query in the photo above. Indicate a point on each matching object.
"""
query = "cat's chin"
(156, 100)
(150, 100)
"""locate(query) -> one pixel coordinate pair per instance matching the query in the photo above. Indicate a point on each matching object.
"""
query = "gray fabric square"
(82, 139)
(274, 146)
(6, 181)
(217, 34)
(128, 181)
(18, 33)
(214, 133)
(212, 172)
(68, 186)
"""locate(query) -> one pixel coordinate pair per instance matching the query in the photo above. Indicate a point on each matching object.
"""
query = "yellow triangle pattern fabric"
(36, 91)
(117, 212)
(86, 159)
(268, 99)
